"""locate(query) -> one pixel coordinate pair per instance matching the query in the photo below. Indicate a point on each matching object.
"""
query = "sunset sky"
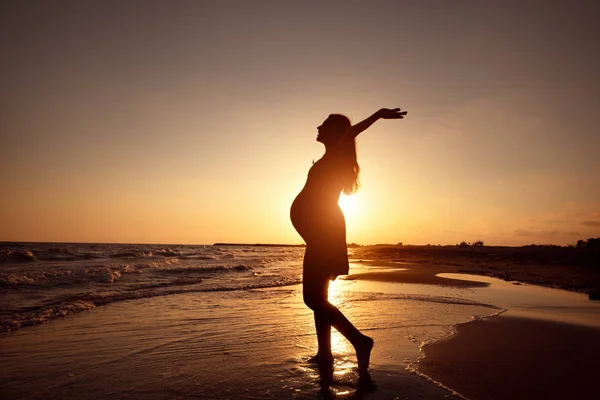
(195, 121)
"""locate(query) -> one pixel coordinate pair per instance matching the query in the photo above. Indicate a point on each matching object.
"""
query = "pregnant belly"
(317, 221)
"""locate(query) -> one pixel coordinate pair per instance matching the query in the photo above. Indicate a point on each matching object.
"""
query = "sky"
(194, 122)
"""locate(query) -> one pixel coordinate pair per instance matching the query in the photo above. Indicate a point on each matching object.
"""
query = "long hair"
(349, 168)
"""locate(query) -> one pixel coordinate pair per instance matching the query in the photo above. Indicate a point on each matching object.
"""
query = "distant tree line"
(478, 243)
(591, 243)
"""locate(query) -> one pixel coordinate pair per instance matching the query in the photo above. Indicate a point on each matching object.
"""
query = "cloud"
(544, 233)
(523, 232)
(549, 233)
(593, 224)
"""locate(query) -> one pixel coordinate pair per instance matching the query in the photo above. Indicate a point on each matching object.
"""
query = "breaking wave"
(46, 281)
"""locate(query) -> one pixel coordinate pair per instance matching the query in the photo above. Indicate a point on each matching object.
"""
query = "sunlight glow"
(335, 293)
(339, 345)
(349, 205)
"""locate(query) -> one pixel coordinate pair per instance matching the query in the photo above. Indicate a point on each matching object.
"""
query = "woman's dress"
(317, 217)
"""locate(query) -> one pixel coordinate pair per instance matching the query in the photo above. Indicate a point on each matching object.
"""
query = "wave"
(219, 268)
(146, 253)
(12, 255)
(43, 281)
(24, 256)
(54, 276)
(131, 254)
(76, 304)
(17, 253)
(62, 276)
(103, 273)
(17, 256)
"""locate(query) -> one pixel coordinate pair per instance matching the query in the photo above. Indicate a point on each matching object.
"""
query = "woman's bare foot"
(365, 384)
(363, 354)
(321, 359)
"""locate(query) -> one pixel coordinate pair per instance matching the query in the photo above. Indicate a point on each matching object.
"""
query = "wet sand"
(561, 267)
(409, 273)
(514, 358)
(250, 344)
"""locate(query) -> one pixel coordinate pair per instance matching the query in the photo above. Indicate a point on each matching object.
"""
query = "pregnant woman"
(319, 220)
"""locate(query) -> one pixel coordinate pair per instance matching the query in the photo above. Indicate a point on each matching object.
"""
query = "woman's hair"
(349, 168)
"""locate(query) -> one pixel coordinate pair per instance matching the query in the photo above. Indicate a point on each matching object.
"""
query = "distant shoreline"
(259, 245)
(406, 247)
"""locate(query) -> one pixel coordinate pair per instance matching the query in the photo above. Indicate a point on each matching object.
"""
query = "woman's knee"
(315, 302)
(315, 288)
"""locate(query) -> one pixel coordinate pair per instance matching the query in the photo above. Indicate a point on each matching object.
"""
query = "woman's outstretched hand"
(387, 113)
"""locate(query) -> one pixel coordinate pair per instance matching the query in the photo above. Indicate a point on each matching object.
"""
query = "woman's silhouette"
(319, 220)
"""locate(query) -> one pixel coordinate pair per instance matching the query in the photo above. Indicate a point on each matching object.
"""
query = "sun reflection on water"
(335, 293)
(339, 344)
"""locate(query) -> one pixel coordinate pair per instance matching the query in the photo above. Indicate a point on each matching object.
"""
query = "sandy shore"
(514, 358)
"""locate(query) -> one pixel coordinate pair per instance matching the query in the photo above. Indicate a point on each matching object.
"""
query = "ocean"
(44, 281)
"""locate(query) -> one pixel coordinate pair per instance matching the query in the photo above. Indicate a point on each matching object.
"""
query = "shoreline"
(578, 279)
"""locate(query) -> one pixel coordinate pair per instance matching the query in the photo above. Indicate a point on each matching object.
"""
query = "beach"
(519, 358)
(244, 332)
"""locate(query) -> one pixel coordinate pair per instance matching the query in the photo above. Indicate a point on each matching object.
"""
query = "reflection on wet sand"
(429, 276)
(520, 299)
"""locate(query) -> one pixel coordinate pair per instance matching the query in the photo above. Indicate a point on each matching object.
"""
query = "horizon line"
(350, 245)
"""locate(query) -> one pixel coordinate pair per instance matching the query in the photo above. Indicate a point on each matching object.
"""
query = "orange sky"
(195, 122)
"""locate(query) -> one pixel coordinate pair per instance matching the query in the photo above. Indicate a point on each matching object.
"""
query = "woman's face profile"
(329, 132)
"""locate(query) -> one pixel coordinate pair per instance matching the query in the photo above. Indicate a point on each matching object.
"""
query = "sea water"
(43, 281)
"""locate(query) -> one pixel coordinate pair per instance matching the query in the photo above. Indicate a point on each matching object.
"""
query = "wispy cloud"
(592, 224)
(524, 232)
(544, 233)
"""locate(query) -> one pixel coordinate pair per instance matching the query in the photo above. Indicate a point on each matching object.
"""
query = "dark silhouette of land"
(572, 268)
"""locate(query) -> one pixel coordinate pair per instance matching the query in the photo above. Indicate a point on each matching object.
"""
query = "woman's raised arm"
(385, 113)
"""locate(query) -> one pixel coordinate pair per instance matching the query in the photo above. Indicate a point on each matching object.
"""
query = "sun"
(349, 205)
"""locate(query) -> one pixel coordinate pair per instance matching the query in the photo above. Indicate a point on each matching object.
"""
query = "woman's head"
(333, 129)
(331, 132)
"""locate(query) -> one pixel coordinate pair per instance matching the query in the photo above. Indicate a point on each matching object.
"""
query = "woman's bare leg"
(318, 289)
(362, 343)
(315, 290)
(324, 355)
